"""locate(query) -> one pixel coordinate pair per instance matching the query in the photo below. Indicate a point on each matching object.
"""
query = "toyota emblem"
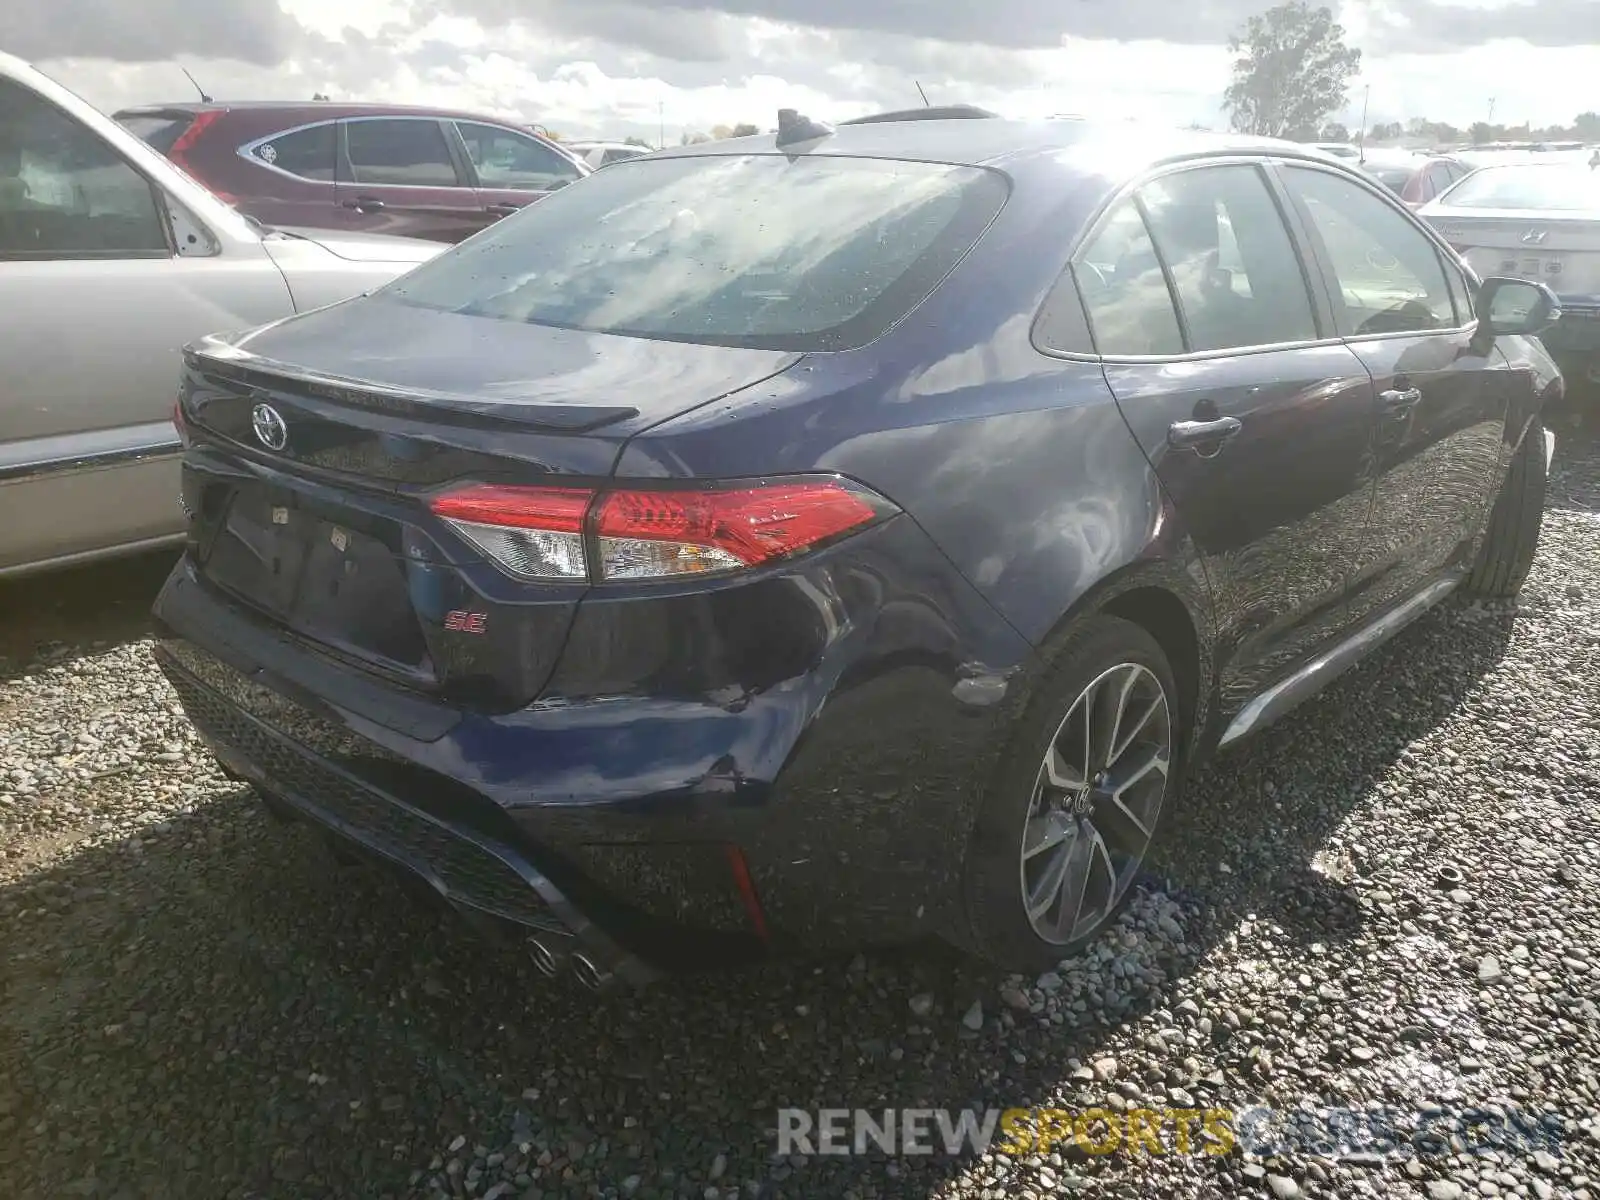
(270, 429)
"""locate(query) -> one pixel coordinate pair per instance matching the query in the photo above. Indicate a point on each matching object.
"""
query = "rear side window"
(818, 253)
(1232, 262)
(509, 160)
(1387, 274)
(1436, 180)
(158, 130)
(308, 153)
(409, 153)
(64, 192)
(1124, 291)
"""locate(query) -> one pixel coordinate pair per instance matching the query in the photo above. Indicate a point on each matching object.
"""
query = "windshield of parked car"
(803, 254)
(1552, 187)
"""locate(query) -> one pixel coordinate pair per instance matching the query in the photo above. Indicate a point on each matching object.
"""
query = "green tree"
(1482, 132)
(745, 129)
(1587, 126)
(1291, 69)
(638, 141)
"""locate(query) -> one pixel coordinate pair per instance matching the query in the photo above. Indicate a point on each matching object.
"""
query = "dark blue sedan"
(840, 536)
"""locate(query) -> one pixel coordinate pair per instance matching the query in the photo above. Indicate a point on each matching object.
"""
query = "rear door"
(292, 178)
(1257, 420)
(398, 175)
(1443, 394)
(512, 169)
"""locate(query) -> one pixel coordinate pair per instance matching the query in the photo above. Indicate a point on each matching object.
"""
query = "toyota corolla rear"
(1536, 221)
(632, 719)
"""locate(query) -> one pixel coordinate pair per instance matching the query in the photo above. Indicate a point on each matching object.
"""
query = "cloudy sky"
(618, 67)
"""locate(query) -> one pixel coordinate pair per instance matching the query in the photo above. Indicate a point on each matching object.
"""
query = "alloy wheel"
(1096, 801)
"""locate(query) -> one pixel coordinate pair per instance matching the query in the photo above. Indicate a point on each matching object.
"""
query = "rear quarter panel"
(1017, 464)
(317, 277)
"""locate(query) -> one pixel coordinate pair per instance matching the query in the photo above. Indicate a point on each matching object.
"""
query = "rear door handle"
(1202, 435)
(1398, 402)
(504, 210)
(363, 203)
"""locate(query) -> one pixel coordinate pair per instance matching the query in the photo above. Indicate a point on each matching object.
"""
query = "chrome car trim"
(167, 541)
(39, 457)
(1317, 674)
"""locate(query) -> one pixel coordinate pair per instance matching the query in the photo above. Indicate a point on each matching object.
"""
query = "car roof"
(1128, 148)
(310, 110)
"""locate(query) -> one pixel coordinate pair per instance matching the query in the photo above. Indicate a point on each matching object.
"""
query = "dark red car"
(1417, 178)
(422, 172)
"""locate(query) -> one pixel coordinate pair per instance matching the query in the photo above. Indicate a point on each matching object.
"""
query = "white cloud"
(579, 85)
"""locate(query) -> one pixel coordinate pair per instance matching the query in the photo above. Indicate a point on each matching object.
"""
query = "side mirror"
(1516, 306)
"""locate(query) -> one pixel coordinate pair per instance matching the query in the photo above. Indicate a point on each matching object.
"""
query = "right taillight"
(654, 533)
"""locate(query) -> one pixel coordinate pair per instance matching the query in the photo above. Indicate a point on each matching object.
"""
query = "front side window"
(817, 253)
(308, 153)
(65, 193)
(1387, 274)
(400, 153)
(1234, 267)
(1124, 291)
(504, 159)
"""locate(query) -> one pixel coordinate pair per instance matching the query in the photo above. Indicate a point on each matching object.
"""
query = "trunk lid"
(315, 518)
(1561, 252)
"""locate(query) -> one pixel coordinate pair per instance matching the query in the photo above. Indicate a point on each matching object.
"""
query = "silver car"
(1536, 218)
(603, 154)
(111, 260)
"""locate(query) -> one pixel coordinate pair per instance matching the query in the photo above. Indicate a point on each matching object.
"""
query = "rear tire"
(1512, 537)
(1075, 805)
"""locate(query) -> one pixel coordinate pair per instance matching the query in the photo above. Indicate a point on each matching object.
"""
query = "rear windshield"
(814, 253)
(1549, 187)
(158, 130)
(1391, 177)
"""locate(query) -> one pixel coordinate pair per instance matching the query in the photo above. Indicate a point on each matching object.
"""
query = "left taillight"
(655, 533)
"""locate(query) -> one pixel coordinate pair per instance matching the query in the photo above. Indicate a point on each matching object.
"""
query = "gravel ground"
(197, 1002)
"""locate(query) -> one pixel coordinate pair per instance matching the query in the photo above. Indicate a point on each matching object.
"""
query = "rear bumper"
(650, 831)
(474, 873)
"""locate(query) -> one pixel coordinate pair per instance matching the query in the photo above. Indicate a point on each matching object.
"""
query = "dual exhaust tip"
(550, 961)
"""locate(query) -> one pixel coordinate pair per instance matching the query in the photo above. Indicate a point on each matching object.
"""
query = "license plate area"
(327, 579)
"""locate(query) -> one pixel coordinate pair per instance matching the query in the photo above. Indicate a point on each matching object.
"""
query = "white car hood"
(355, 246)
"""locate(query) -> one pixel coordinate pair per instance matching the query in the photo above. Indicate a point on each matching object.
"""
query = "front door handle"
(504, 210)
(1202, 435)
(1398, 402)
(364, 203)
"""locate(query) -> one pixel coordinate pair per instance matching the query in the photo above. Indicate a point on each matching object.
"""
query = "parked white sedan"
(111, 260)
